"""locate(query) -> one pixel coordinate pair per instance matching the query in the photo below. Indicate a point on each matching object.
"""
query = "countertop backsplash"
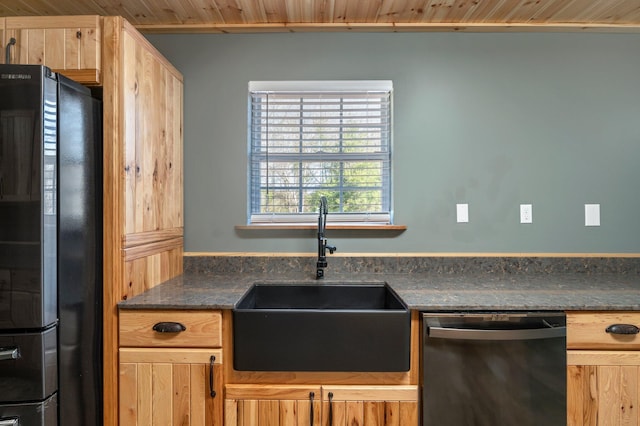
(305, 265)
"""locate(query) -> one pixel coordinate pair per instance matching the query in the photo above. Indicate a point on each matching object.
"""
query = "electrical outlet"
(526, 213)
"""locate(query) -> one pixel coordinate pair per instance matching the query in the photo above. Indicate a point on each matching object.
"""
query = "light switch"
(462, 213)
(592, 215)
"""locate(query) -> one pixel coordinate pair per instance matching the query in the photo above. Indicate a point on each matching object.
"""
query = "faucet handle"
(331, 249)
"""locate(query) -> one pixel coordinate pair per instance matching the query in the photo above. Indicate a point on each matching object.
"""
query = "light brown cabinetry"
(142, 144)
(247, 405)
(70, 45)
(170, 377)
(603, 370)
(143, 228)
(332, 405)
(370, 405)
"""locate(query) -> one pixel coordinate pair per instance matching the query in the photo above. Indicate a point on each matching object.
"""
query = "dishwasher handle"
(480, 334)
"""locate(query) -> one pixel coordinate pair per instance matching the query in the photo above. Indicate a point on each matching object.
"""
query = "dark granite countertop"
(527, 285)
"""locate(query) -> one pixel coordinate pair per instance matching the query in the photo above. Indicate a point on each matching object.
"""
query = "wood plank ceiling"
(349, 15)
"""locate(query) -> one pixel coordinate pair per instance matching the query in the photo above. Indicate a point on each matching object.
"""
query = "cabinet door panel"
(174, 390)
(604, 392)
(67, 44)
(272, 405)
(370, 405)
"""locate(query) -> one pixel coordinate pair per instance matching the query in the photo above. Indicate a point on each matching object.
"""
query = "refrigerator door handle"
(8, 354)
(9, 422)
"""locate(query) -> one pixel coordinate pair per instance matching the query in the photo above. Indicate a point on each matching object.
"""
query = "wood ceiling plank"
(616, 11)
(525, 10)
(326, 11)
(207, 10)
(364, 11)
(480, 11)
(439, 11)
(391, 11)
(550, 11)
(253, 11)
(573, 11)
(276, 11)
(213, 15)
(340, 11)
(231, 11)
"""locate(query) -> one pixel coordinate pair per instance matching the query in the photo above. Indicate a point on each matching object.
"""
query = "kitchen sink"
(321, 327)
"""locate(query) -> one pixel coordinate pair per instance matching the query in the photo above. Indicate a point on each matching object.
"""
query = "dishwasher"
(494, 369)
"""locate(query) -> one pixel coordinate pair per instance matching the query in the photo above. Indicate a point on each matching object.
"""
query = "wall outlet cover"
(526, 213)
(592, 215)
(462, 213)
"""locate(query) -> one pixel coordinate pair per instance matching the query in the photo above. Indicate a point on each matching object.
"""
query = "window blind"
(313, 139)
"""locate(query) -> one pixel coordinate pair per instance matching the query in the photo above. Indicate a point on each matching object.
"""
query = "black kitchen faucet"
(322, 241)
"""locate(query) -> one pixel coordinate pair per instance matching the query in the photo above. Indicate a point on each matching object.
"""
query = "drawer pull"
(169, 327)
(9, 353)
(623, 329)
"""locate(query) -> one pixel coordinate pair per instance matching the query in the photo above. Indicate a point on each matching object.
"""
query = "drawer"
(588, 330)
(201, 328)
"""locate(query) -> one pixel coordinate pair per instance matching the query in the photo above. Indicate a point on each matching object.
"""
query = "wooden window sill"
(345, 226)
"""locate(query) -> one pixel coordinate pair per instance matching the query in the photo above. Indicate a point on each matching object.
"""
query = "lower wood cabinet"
(272, 405)
(370, 405)
(603, 369)
(170, 386)
(602, 388)
(334, 405)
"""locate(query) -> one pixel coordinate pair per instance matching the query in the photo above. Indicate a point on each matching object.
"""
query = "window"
(309, 139)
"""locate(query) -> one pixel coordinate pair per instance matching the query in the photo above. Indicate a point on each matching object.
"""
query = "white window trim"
(383, 218)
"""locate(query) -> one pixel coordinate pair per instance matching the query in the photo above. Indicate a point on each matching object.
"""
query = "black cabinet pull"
(212, 385)
(311, 396)
(169, 327)
(622, 329)
(330, 408)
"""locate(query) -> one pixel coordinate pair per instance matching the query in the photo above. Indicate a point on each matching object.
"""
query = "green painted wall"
(492, 120)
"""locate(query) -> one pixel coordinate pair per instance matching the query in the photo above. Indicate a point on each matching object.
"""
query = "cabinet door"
(272, 405)
(370, 405)
(70, 45)
(152, 147)
(602, 388)
(170, 387)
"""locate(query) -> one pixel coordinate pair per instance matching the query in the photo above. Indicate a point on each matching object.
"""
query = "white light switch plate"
(462, 213)
(592, 215)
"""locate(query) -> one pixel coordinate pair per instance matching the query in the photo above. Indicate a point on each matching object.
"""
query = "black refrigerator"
(50, 249)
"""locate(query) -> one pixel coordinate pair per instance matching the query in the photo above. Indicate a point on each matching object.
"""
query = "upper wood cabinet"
(152, 142)
(142, 152)
(70, 45)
